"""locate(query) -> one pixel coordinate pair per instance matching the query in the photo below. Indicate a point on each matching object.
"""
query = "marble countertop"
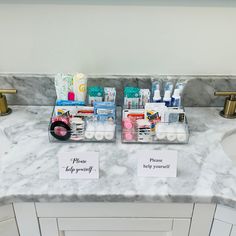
(29, 172)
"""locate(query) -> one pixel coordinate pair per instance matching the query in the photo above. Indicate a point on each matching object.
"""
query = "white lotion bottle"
(157, 96)
(175, 100)
(167, 98)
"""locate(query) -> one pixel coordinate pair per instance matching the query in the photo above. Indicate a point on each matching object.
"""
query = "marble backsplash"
(39, 89)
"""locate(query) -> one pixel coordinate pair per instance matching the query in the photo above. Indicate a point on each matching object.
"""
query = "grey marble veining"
(39, 89)
(29, 172)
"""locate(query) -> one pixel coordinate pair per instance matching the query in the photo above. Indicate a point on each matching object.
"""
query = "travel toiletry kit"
(155, 116)
(81, 113)
(88, 113)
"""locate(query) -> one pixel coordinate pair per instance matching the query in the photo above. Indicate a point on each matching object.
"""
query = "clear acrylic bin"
(81, 129)
(143, 131)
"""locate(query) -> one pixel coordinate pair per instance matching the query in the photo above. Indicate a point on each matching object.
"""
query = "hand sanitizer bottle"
(157, 96)
(175, 100)
(167, 98)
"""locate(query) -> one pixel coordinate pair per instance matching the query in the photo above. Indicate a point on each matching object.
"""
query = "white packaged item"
(109, 94)
(99, 133)
(80, 87)
(181, 133)
(90, 131)
(161, 129)
(109, 131)
(144, 97)
(62, 86)
(171, 133)
(155, 111)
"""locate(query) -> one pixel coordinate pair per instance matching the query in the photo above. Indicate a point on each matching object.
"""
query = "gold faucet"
(230, 104)
(4, 109)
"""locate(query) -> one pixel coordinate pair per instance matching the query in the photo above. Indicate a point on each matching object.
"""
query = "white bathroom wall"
(124, 38)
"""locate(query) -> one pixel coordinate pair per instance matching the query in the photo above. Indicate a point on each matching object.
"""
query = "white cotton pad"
(109, 135)
(171, 133)
(99, 135)
(90, 131)
(109, 131)
(161, 131)
(181, 133)
(89, 134)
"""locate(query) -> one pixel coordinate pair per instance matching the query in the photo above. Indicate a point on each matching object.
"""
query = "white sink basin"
(229, 146)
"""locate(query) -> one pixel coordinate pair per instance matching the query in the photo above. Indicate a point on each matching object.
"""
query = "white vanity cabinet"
(224, 222)
(8, 226)
(114, 219)
(107, 219)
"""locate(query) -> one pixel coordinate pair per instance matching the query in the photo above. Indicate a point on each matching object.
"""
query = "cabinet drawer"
(114, 227)
(6, 212)
(111, 224)
(142, 210)
(8, 228)
(103, 233)
(233, 232)
(226, 214)
(220, 228)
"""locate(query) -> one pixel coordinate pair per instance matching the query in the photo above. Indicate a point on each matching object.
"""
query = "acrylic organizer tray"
(80, 127)
(140, 130)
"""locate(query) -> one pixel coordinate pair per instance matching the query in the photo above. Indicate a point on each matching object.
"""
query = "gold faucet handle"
(4, 109)
(8, 91)
(230, 104)
(231, 94)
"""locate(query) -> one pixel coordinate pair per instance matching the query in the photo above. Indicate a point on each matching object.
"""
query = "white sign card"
(157, 163)
(78, 165)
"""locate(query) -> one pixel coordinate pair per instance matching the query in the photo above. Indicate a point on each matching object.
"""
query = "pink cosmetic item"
(127, 123)
(60, 128)
(71, 96)
(128, 136)
(64, 119)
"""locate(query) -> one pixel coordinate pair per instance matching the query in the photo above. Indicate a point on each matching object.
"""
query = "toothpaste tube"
(105, 110)
(131, 97)
(60, 110)
(133, 113)
(144, 97)
(69, 103)
(74, 110)
(95, 94)
(109, 94)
